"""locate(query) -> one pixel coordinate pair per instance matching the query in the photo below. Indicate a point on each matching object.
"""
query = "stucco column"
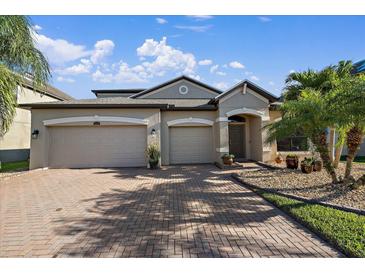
(154, 132)
(266, 148)
(222, 144)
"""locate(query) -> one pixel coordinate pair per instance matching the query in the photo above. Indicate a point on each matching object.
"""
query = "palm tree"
(310, 114)
(19, 60)
(350, 110)
(323, 81)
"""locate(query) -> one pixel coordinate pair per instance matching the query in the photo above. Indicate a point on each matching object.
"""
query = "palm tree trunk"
(322, 148)
(354, 139)
(337, 156)
(331, 144)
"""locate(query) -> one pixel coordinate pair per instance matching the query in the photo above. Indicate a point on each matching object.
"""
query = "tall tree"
(348, 104)
(19, 60)
(323, 81)
(310, 114)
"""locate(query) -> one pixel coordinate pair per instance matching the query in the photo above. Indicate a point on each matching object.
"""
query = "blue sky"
(105, 52)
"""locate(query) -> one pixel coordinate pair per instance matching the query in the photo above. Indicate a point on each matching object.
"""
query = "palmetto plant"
(19, 59)
(310, 114)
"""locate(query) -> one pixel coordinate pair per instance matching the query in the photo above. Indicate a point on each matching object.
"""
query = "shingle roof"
(132, 90)
(48, 90)
(123, 102)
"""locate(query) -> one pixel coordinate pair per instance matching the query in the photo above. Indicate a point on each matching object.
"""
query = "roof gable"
(260, 91)
(182, 87)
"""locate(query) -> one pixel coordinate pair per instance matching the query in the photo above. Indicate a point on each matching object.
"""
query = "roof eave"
(65, 106)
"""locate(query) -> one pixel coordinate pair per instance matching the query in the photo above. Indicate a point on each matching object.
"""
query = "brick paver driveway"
(190, 211)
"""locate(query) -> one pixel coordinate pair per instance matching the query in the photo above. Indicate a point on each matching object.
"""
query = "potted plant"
(153, 155)
(292, 161)
(307, 165)
(317, 165)
(228, 159)
(278, 159)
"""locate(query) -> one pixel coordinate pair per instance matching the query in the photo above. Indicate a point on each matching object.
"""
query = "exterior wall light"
(153, 132)
(35, 134)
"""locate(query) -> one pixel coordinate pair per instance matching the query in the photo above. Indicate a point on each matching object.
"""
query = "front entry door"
(237, 140)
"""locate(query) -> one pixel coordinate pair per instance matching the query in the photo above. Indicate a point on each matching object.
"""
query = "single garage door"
(98, 146)
(191, 145)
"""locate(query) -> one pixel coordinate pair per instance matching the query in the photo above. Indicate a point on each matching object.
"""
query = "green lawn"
(358, 159)
(343, 229)
(14, 166)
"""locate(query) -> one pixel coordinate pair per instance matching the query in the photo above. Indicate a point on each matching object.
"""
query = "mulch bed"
(316, 185)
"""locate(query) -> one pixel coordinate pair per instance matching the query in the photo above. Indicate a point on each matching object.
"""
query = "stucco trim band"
(190, 120)
(96, 118)
(222, 149)
(222, 119)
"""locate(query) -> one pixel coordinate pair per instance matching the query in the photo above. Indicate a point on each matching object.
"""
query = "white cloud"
(221, 85)
(254, 78)
(205, 62)
(37, 27)
(292, 71)
(214, 68)
(99, 76)
(271, 83)
(221, 73)
(202, 28)
(121, 72)
(126, 74)
(102, 49)
(84, 67)
(166, 59)
(195, 76)
(59, 51)
(63, 79)
(236, 65)
(264, 19)
(161, 21)
(248, 73)
(200, 17)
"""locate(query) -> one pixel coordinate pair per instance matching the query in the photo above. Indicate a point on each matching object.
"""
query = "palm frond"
(20, 60)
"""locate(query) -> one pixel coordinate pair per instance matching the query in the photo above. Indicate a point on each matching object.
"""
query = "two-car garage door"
(191, 145)
(124, 146)
(97, 146)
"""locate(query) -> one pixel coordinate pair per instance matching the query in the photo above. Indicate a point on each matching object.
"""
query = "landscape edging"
(291, 196)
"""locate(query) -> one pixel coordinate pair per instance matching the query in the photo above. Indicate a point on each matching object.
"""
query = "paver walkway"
(185, 211)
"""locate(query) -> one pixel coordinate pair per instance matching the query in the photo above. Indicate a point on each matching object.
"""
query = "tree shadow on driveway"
(178, 212)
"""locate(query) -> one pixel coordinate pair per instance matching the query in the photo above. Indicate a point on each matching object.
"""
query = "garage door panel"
(190, 145)
(118, 146)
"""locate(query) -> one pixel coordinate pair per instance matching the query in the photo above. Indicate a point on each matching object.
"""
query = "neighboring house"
(15, 144)
(190, 121)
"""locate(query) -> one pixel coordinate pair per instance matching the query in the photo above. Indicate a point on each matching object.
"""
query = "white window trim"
(190, 120)
(96, 118)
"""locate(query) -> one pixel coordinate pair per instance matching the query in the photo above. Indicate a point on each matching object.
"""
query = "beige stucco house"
(15, 144)
(190, 121)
